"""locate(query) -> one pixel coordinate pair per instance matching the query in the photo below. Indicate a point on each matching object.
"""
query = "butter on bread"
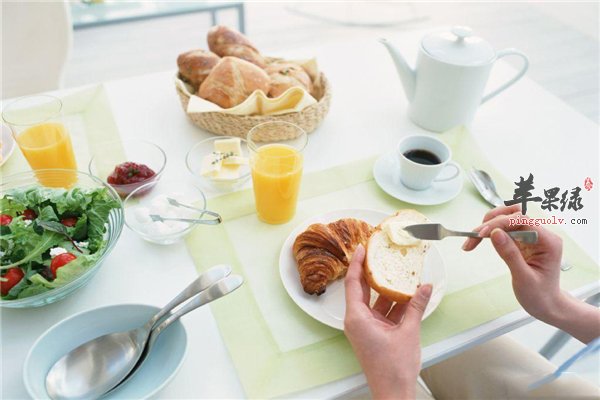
(394, 260)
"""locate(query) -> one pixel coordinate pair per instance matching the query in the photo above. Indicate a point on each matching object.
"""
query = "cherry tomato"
(70, 221)
(5, 219)
(60, 261)
(29, 214)
(13, 276)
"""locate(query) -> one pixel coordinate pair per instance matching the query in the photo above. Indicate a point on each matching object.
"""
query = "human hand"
(385, 338)
(535, 268)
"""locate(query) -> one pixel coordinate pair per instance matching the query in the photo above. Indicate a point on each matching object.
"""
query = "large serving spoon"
(219, 289)
(97, 366)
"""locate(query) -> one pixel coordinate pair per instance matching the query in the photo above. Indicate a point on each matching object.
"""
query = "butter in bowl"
(219, 164)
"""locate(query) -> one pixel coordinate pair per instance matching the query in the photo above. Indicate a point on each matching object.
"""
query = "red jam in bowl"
(128, 176)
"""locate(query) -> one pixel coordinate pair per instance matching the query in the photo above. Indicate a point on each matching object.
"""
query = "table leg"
(560, 338)
(241, 18)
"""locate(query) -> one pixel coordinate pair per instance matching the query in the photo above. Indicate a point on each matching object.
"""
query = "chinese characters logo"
(569, 199)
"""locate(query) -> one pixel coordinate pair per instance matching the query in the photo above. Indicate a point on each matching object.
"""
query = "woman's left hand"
(385, 338)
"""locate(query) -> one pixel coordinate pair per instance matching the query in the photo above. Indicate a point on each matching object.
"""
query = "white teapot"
(446, 87)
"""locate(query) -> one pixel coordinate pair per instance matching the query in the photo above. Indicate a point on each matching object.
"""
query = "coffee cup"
(422, 161)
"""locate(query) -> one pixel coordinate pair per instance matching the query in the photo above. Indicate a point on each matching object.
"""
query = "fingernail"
(498, 236)
(426, 291)
(465, 245)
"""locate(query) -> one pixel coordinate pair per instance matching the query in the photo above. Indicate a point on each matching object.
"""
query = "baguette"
(394, 270)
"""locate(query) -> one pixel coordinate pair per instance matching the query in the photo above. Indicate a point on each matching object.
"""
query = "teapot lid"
(458, 47)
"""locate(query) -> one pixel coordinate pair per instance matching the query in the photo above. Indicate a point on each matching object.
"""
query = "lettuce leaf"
(67, 273)
(22, 245)
(97, 216)
(10, 207)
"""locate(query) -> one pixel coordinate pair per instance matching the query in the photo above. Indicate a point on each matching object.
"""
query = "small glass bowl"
(139, 208)
(193, 161)
(108, 155)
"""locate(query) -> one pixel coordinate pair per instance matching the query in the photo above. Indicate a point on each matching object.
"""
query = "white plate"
(330, 307)
(8, 144)
(159, 368)
(386, 172)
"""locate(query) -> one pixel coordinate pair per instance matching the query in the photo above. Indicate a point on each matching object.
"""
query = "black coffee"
(424, 157)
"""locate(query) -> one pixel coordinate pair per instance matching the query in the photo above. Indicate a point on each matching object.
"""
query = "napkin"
(295, 99)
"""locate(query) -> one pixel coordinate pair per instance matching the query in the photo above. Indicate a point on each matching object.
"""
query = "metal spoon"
(219, 289)
(97, 366)
(484, 184)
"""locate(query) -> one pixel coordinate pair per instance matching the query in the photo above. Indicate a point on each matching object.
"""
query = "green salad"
(50, 237)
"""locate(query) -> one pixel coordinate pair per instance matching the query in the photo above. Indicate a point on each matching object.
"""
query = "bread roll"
(231, 81)
(195, 65)
(225, 41)
(285, 75)
(394, 270)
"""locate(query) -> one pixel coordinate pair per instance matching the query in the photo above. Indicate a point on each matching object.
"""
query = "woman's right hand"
(535, 270)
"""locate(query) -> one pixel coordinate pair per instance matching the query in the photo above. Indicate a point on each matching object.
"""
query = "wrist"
(560, 310)
(576, 317)
(383, 388)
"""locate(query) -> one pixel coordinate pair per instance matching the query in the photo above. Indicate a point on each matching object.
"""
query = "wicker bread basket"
(239, 125)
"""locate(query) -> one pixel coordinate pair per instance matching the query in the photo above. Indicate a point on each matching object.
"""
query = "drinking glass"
(276, 166)
(36, 123)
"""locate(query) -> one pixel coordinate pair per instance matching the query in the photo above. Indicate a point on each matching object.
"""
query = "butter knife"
(438, 232)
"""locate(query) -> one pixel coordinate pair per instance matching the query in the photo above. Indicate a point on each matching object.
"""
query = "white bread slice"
(392, 270)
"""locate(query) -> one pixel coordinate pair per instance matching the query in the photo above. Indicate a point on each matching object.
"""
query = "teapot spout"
(407, 74)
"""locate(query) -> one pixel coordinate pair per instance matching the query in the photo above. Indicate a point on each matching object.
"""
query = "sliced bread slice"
(394, 259)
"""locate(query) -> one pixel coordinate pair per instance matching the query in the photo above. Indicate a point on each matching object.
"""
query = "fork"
(439, 232)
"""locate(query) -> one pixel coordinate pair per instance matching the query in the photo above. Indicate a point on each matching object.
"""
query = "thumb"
(416, 307)
(508, 250)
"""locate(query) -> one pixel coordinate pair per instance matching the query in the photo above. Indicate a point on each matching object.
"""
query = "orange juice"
(276, 173)
(46, 146)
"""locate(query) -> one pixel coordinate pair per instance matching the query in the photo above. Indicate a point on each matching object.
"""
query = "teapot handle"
(519, 75)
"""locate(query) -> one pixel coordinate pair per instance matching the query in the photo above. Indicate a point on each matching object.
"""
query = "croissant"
(323, 251)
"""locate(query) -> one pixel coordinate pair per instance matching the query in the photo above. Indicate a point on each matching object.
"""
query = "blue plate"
(158, 369)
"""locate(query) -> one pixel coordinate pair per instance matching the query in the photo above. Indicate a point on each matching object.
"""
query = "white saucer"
(387, 175)
(330, 307)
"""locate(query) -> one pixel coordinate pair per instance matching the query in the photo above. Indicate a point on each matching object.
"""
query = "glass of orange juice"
(276, 169)
(37, 125)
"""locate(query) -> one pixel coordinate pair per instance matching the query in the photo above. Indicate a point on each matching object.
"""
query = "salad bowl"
(99, 237)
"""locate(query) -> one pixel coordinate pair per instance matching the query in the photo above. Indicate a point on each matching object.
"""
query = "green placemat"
(88, 118)
(275, 347)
